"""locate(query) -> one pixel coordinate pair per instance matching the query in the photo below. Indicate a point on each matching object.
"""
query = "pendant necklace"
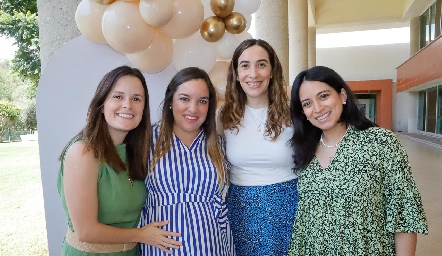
(256, 120)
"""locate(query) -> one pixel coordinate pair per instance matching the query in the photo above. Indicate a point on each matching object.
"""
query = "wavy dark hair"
(209, 126)
(232, 112)
(306, 136)
(96, 132)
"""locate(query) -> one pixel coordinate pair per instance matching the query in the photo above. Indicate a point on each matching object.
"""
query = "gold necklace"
(257, 121)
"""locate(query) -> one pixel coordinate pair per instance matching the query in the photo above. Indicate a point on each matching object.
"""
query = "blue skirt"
(261, 217)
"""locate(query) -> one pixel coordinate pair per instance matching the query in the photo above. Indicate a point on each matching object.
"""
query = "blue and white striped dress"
(184, 189)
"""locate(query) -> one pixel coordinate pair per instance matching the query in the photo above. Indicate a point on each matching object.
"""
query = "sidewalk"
(425, 156)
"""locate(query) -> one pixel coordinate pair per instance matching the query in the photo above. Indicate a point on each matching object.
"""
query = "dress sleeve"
(404, 208)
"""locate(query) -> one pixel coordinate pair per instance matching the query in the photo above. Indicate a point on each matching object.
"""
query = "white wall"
(371, 62)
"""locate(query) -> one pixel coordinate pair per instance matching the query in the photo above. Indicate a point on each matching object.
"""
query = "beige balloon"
(218, 76)
(156, 13)
(124, 29)
(156, 57)
(235, 23)
(222, 8)
(105, 2)
(186, 19)
(212, 29)
(88, 17)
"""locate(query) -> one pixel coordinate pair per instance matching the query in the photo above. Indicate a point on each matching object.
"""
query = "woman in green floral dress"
(357, 195)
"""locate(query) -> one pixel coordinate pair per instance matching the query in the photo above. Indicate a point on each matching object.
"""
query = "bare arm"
(405, 244)
(80, 177)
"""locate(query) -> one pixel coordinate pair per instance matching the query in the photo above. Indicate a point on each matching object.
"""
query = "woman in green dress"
(357, 195)
(102, 172)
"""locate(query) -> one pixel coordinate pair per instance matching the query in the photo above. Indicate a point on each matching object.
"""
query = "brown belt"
(73, 241)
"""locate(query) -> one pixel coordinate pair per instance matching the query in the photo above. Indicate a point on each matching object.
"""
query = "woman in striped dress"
(187, 170)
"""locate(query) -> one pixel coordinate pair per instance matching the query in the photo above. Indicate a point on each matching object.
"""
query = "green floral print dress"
(355, 205)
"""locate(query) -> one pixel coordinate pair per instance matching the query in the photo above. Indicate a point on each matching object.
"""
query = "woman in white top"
(255, 121)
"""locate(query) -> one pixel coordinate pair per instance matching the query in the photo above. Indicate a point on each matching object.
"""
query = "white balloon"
(194, 51)
(246, 6)
(249, 21)
(226, 46)
(243, 36)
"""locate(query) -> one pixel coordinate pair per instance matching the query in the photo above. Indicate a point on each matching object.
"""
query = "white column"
(271, 25)
(56, 22)
(298, 35)
(311, 47)
(414, 35)
(413, 108)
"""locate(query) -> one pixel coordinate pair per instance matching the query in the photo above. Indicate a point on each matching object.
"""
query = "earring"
(170, 107)
(344, 102)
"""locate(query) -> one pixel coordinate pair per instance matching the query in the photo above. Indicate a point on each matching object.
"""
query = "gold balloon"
(222, 8)
(105, 1)
(212, 29)
(235, 23)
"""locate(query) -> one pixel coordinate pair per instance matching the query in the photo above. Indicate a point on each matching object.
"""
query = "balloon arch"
(154, 33)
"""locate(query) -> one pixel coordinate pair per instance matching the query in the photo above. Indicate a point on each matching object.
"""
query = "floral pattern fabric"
(355, 205)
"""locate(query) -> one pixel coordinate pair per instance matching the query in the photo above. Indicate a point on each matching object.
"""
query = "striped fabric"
(183, 188)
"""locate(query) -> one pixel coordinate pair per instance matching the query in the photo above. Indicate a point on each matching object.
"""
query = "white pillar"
(413, 108)
(298, 35)
(414, 35)
(311, 47)
(56, 22)
(271, 25)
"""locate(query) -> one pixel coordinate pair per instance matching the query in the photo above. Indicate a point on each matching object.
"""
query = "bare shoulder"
(79, 155)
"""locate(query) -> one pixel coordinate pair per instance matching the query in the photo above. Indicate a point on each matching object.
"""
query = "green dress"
(357, 204)
(119, 203)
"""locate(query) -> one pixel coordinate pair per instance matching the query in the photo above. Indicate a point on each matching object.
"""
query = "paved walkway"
(425, 155)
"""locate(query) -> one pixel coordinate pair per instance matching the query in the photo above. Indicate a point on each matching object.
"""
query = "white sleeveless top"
(256, 160)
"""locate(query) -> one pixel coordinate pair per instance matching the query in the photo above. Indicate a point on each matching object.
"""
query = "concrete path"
(426, 163)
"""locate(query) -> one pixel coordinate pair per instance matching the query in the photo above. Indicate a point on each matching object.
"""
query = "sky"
(6, 48)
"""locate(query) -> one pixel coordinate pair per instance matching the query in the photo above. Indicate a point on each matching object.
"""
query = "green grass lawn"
(22, 220)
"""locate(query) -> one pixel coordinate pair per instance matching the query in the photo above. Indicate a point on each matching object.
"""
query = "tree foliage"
(19, 20)
(9, 114)
(16, 90)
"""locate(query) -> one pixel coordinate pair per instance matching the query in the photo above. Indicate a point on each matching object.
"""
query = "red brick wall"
(423, 67)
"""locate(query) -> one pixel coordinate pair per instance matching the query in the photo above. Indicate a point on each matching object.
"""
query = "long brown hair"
(232, 111)
(96, 132)
(167, 121)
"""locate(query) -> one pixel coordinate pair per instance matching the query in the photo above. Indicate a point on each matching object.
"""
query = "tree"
(15, 90)
(19, 20)
(9, 114)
